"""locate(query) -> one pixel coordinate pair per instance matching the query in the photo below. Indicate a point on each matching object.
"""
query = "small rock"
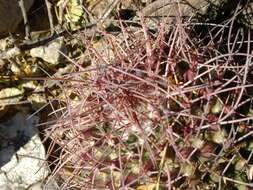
(30, 85)
(22, 154)
(7, 43)
(37, 100)
(10, 53)
(11, 15)
(15, 69)
(51, 53)
(10, 96)
(3, 44)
